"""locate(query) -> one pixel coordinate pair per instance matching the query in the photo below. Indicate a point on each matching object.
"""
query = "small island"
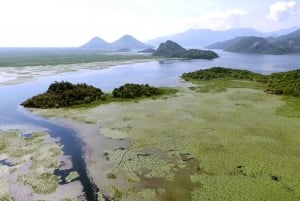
(66, 94)
(174, 50)
(63, 94)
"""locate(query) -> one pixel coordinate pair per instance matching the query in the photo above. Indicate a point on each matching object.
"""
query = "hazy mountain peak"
(125, 42)
(128, 41)
(96, 43)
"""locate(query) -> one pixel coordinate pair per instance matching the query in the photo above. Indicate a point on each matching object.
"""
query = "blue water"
(164, 73)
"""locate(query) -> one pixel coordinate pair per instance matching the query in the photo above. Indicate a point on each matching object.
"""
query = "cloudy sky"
(73, 22)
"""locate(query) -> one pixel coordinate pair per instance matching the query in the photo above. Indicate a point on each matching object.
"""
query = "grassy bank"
(217, 140)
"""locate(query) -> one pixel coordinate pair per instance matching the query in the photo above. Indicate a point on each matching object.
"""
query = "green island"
(66, 94)
(226, 135)
(174, 50)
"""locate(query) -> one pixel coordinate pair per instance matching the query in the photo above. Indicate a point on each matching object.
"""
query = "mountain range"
(125, 42)
(288, 43)
(195, 38)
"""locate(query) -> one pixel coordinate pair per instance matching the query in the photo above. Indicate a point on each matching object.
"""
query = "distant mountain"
(252, 44)
(280, 32)
(195, 38)
(125, 42)
(130, 42)
(289, 43)
(172, 49)
(96, 43)
(149, 50)
(225, 44)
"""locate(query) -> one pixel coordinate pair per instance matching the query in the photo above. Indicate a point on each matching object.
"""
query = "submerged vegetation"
(285, 83)
(230, 144)
(222, 138)
(66, 94)
(31, 161)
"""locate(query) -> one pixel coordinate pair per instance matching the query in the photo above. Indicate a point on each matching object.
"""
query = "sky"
(71, 23)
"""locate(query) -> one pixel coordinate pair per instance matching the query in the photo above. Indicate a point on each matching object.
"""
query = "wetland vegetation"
(29, 161)
(20, 57)
(284, 83)
(218, 139)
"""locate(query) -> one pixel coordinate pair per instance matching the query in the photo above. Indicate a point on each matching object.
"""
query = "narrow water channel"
(72, 146)
(12, 114)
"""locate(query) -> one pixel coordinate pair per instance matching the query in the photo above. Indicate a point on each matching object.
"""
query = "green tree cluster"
(284, 83)
(63, 94)
(220, 72)
(135, 90)
(66, 94)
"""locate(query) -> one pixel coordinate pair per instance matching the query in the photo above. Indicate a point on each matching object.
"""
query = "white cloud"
(216, 20)
(145, 2)
(281, 10)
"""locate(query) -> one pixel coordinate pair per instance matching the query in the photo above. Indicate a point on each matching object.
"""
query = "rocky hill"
(174, 50)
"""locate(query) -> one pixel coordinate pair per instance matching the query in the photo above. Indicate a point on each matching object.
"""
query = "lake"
(157, 73)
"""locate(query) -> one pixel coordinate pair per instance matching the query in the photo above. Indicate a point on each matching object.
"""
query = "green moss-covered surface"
(32, 160)
(72, 176)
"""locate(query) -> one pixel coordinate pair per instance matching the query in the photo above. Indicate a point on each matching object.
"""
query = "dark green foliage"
(63, 94)
(66, 94)
(172, 49)
(135, 90)
(285, 83)
(202, 54)
(220, 72)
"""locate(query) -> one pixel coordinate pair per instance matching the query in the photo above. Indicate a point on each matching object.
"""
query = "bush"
(135, 90)
(64, 94)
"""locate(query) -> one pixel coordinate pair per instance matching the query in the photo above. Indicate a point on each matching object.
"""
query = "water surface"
(157, 73)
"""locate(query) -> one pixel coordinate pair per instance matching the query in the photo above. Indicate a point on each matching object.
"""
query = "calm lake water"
(164, 73)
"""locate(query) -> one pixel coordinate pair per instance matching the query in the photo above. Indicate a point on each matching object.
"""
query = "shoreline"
(91, 139)
(17, 171)
(19, 75)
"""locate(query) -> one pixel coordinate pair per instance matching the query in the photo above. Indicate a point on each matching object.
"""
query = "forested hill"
(286, 44)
